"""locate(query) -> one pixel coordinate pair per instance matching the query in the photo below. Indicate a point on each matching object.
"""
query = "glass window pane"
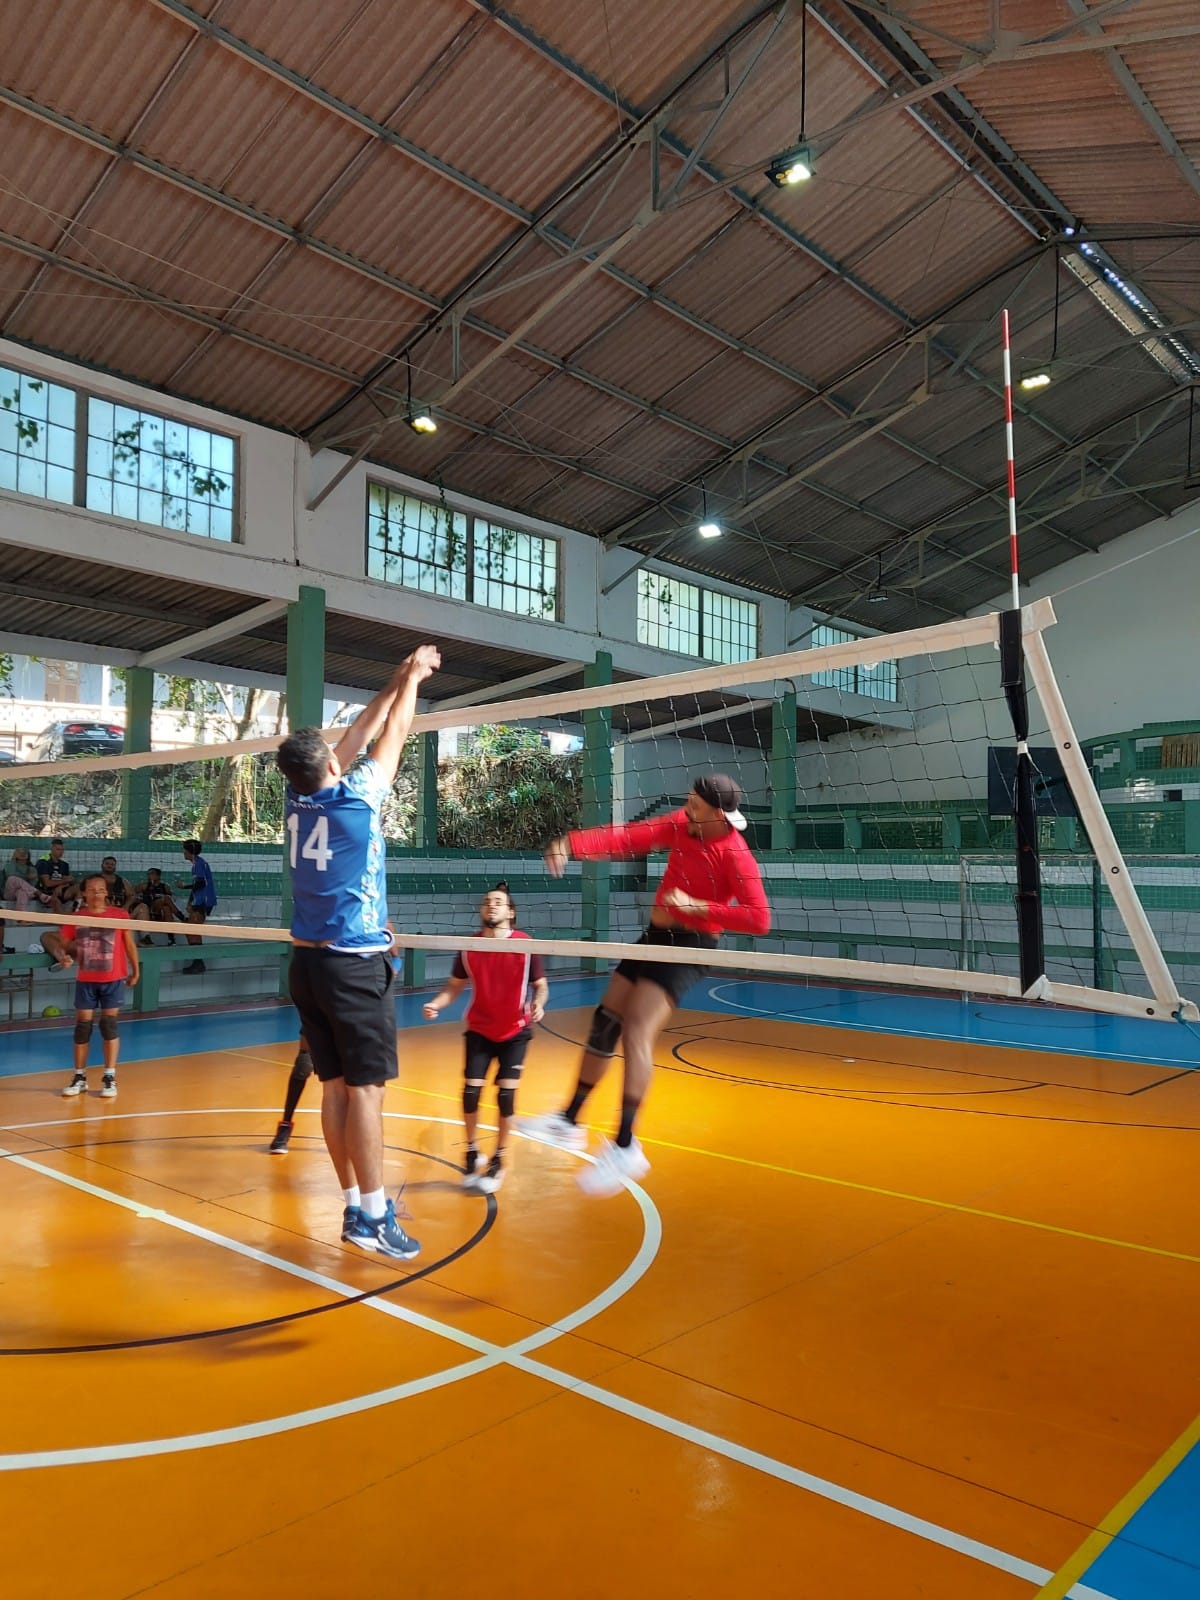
(99, 494)
(60, 445)
(100, 419)
(31, 476)
(35, 398)
(8, 469)
(60, 484)
(62, 406)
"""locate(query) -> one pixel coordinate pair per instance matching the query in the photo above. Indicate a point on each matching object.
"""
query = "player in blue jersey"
(341, 974)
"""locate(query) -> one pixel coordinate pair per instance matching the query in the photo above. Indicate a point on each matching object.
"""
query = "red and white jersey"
(499, 1008)
(100, 953)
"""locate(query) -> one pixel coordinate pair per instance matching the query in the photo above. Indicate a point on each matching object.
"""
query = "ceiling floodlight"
(707, 528)
(794, 166)
(421, 422)
(878, 595)
(1037, 380)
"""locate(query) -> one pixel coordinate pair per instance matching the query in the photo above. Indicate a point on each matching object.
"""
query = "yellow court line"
(863, 1188)
(1121, 1514)
(927, 1200)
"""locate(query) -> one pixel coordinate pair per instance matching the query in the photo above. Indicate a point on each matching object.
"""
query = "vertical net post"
(425, 835)
(1028, 896)
(135, 783)
(305, 698)
(783, 771)
(596, 905)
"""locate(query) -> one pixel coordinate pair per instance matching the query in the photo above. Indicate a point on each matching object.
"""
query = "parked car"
(7, 759)
(79, 736)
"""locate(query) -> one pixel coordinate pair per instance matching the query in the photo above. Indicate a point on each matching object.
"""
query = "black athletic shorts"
(509, 1055)
(347, 1013)
(674, 977)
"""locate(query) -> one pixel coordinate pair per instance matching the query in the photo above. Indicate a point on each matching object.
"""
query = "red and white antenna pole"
(1012, 471)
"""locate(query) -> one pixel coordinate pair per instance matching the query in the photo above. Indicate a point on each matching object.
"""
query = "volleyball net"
(881, 780)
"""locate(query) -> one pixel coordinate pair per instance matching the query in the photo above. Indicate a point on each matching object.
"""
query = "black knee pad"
(108, 1027)
(83, 1031)
(605, 1032)
(471, 1094)
(506, 1099)
(302, 1067)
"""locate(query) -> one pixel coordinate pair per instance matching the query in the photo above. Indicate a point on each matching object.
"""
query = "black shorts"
(674, 977)
(347, 1013)
(509, 1055)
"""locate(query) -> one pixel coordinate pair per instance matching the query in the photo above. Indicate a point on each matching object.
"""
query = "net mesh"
(876, 778)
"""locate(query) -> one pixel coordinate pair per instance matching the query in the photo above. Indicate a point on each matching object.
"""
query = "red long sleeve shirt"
(722, 871)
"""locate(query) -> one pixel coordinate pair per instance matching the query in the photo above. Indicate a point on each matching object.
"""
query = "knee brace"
(83, 1031)
(471, 1094)
(108, 1027)
(506, 1099)
(302, 1067)
(605, 1031)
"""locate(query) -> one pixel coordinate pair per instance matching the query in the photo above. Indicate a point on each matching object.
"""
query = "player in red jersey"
(106, 958)
(499, 1020)
(711, 885)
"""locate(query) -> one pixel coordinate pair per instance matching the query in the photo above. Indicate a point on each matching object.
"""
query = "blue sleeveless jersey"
(334, 843)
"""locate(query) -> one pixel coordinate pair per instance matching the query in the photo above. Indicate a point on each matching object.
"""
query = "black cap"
(719, 789)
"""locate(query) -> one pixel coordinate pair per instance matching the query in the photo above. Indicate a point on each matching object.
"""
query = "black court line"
(262, 1323)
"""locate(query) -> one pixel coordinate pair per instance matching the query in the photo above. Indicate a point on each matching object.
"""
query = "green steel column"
(425, 835)
(595, 910)
(306, 658)
(305, 694)
(135, 784)
(783, 772)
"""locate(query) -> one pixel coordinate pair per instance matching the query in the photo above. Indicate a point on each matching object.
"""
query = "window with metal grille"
(693, 621)
(879, 680)
(59, 442)
(424, 544)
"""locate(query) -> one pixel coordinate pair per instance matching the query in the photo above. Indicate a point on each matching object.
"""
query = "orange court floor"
(888, 1317)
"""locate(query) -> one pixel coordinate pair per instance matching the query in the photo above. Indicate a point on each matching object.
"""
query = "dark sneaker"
(193, 968)
(279, 1144)
(350, 1218)
(472, 1169)
(384, 1235)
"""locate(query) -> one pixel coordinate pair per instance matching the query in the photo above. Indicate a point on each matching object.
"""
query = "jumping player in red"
(711, 885)
(498, 1026)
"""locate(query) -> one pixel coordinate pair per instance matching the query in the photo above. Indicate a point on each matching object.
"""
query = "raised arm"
(422, 664)
(376, 714)
(618, 842)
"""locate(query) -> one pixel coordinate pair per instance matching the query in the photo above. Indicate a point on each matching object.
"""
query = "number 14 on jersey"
(316, 845)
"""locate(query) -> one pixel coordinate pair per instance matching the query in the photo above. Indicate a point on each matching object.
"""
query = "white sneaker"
(613, 1168)
(77, 1085)
(553, 1128)
(488, 1182)
(108, 1086)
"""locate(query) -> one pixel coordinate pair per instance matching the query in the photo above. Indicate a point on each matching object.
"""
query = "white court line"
(489, 1356)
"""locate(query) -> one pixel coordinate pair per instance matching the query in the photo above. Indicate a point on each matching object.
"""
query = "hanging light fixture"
(420, 419)
(795, 165)
(1040, 374)
(707, 529)
(878, 595)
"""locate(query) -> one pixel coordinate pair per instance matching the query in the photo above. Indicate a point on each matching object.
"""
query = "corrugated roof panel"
(325, 310)
(637, 48)
(746, 276)
(833, 328)
(596, 301)
(230, 124)
(569, 418)
(527, 143)
(256, 383)
(372, 56)
(17, 273)
(98, 64)
(674, 238)
(961, 238)
(153, 234)
(733, 395)
(649, 352)
(653, 455)
(105, 327)
(1168, 76)
(414, 224)
(47, 175)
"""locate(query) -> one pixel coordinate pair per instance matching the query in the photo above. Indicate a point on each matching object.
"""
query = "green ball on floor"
(51, 1011)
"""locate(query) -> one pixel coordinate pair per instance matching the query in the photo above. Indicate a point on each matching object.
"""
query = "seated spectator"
(56, 880)
(119, 891)
(155, 900)
(20, 880)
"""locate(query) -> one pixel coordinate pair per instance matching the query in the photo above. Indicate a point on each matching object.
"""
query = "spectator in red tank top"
(711, 884)
(499, 1020)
